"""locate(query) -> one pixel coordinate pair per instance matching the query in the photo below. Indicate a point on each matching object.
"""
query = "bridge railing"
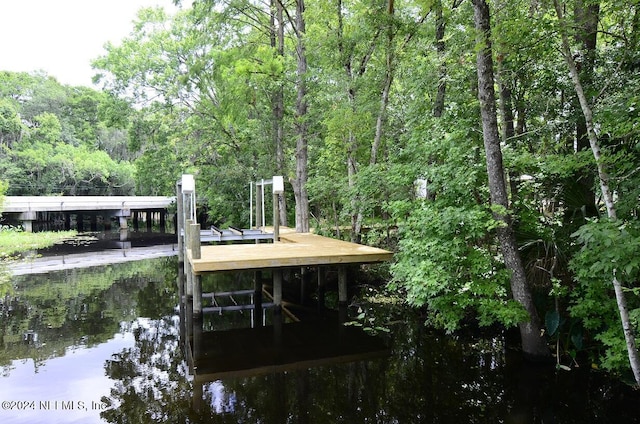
(19, 204)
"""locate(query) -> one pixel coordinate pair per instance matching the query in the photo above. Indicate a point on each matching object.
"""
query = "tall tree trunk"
(438, 106)
(386, 86)
(277, 100)
(277, 42)
(632, 351)
(533, 344)
(586, 17)
(300, 183)
(352, 141)
(352, 172)
(506, 113)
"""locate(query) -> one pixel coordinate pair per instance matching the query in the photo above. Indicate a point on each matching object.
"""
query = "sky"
(61, 37)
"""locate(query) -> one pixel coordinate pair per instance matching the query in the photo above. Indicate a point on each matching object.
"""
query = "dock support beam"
(187, 264)
(277, 290)
(196, 281)
(257, 299)
(343, 298)
(304, 282)
(342, 285)
(180, 220)
(322, 283)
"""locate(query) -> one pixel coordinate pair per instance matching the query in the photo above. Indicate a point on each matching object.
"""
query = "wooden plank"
(296, 249)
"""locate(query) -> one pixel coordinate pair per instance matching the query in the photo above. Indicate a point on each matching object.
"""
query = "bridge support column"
(163, 220)
(27, 219)
(122, 215)
(80, 221)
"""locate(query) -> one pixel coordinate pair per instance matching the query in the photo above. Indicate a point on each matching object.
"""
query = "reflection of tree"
(430, 377)
(80, 307)
(152, 382)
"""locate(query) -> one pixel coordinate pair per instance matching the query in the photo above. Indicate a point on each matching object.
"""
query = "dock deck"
(293, 249)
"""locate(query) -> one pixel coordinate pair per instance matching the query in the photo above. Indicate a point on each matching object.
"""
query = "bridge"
(27, 208)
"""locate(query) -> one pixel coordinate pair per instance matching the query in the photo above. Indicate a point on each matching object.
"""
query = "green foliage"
(445, 264)
(13, 240)
(3, 189)
(206, 85)
(51, 138)
(607, 249)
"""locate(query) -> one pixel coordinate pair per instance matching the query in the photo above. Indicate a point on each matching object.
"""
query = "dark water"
(104, 344)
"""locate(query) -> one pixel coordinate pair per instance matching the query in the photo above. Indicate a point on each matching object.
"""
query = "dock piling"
(342, 285)
(180, 220)
(196, 282)
(187, 263)
(342, 294)
(322, 283)
(277, 289)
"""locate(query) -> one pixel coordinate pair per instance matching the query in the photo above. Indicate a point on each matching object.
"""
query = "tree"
(603, 178)
(533, 344)
(301, 155)
(278, 44)
(3, 189)
(11, 126)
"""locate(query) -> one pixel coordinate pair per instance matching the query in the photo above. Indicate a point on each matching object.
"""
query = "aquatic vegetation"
(14, 240)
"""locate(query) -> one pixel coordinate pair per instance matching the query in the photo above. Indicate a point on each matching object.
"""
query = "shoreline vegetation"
(14, 241)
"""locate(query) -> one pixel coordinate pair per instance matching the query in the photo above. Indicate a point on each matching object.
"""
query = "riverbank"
(14, 241)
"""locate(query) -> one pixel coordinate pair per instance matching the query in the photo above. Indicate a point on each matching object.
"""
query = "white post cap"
(278, 184)
(188, 184)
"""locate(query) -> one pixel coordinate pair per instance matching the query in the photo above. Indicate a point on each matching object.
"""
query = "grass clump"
(14, 240)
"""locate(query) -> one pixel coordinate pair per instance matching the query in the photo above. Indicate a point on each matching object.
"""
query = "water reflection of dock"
(247, 352)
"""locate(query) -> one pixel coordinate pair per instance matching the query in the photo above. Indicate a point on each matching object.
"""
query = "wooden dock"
(263, 349)
(293, 250)
(287, 250)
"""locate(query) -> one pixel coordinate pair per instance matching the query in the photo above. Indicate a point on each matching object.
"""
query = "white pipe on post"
(278, 189)
(263, 221)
